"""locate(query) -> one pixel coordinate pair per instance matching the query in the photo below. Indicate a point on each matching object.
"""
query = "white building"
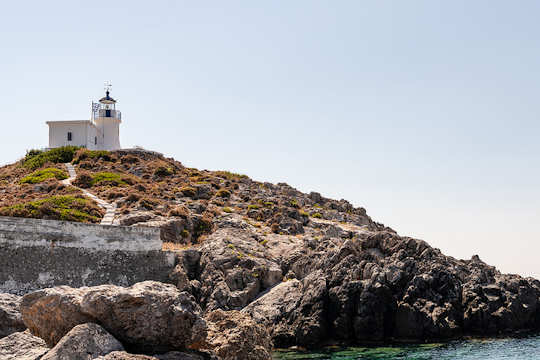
(101, 132)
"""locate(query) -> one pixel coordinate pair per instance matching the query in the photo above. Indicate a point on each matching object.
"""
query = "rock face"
(233, 335)
(10, 317)
(148, 317)
(83, 342)
(22, 346)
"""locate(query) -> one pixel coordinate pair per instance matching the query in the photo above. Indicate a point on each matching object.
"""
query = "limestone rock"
(10, 317)
(149, 316)
(84, 342)
(22, 346)
(234, 335)
(51, 313)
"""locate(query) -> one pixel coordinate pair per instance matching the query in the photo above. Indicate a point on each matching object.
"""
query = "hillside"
(311, 269)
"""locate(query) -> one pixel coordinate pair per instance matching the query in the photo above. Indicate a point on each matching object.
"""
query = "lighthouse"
(107, 121)
(101, 132)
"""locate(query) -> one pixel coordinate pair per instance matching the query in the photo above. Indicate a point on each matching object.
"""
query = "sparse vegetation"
(188, 191)
(223, 193)
(85, 154)
(68, 208)
(35, 159)
(317, 215)
(40, 176)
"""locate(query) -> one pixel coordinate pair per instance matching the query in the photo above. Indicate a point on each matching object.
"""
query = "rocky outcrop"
(84, 342)
(22, 346)
(233, 335)
(150, 317)
(234, 268)
(10, 317)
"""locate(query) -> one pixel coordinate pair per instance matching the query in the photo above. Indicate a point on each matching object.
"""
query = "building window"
(70, 136)
(95, 140)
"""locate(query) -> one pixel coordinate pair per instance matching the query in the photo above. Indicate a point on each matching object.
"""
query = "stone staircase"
(110, 209)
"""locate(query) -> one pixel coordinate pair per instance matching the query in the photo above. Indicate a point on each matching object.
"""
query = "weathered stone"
(149, 316)
(51, 313)
(233, 335)
(22, 346)
(10, 317)
(83, 342)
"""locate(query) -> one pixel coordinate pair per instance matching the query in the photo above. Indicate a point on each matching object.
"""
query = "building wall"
(110, 132)
(36, 254)
(58, 131)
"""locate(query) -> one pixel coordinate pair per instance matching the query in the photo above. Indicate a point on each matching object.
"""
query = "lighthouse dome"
(107, 99)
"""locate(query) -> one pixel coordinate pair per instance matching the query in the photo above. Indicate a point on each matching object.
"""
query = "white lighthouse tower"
(107, 120)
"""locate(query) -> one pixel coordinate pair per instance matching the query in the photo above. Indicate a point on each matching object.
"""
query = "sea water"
(493, 349)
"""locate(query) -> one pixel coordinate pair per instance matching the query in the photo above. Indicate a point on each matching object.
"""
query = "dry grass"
(170, 246)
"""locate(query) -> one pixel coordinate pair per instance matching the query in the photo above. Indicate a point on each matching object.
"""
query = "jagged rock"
(149, 316)
(235, 268)
(22, 346)
(274, 309)
(234, 335)
(83, 342)
(135, 218)
(10, 317)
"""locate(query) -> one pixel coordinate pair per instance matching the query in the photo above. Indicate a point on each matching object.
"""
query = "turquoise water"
(492, 349)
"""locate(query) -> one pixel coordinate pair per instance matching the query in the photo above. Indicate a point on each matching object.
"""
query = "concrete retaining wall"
(36, 254)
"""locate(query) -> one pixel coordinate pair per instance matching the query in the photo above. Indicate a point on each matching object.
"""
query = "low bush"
(62, 207)
(317, 215)
(40, 176)
(149, 203)
(35, 159)
(163, 171)
(229, 175)
(85, 154)
(223, 193)
(108, 178)
(188, 191)
(179, 211)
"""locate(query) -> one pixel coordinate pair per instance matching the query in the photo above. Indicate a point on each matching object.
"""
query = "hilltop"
(312, 270)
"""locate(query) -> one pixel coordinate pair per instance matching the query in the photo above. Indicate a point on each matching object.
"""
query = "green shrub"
(223, 193)
(67, 208)
(163, 171)
(108, 178)
(254, 207)
(229, 175)
(227, 210)
(40, 176)
(188, 191)
(35, 159)
(85, 154)
(317, 215)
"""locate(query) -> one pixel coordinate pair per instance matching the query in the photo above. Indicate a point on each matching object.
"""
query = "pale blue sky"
(424, 112)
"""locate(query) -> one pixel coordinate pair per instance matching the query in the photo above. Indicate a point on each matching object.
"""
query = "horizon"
(423, 114)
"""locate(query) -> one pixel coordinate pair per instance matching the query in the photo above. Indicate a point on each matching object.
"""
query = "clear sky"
(424, 112)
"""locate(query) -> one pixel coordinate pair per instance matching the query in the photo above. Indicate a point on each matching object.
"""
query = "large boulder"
(10, 317)
(84, 342)
(22, 346)
(150, 317)
(234, 335)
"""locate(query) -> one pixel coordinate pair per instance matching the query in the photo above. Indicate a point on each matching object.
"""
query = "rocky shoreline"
(261, 266)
